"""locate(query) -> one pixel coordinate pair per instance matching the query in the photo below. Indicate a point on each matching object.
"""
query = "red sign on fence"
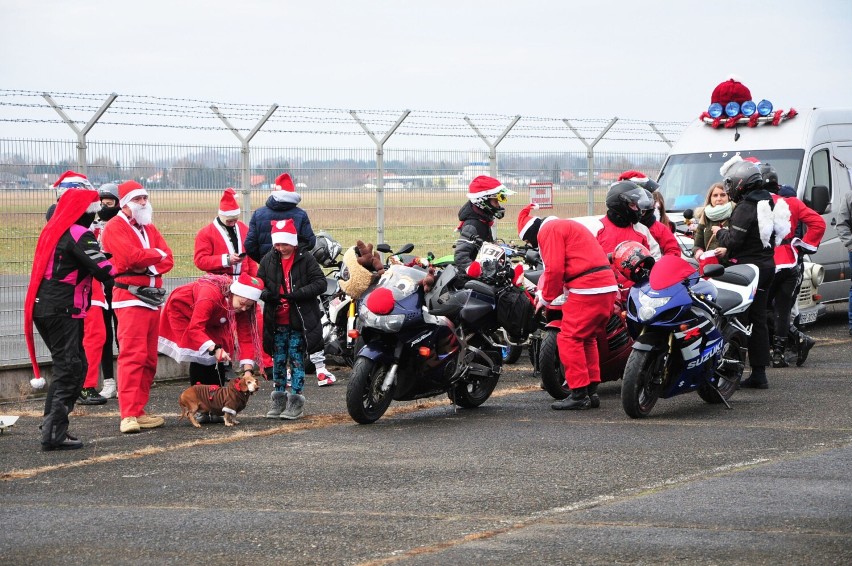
(542, 194)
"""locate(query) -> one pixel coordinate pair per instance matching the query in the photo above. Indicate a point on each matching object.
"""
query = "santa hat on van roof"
(129, 190)
(71, 206)
(284, 232)
(528, 226)
(247, 286)
(284, 190)
(228, 203)
(730, 90)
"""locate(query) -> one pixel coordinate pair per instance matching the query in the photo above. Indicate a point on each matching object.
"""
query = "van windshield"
(685, 179)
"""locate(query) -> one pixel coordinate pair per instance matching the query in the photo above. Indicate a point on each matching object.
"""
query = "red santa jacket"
(665, 238)
(786, 254)
(212, 246)
(196, 316)
(140, 257)
(573, 260)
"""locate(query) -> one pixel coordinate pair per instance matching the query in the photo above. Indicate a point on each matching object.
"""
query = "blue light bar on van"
(732, 109)
(764, 107)
(749, 108)
(715, 110)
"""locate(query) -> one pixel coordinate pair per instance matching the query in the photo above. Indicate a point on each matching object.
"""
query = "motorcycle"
(420, 344)
(688, 334)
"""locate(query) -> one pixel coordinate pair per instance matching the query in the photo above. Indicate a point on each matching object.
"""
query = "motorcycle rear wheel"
(511, 353)
(639, 392)
(552, 372)
(365, 400)
(728, 374)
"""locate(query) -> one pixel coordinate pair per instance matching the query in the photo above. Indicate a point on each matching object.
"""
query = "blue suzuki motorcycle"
(687, 333)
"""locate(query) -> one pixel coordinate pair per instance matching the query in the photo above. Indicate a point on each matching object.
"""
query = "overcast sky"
(655, 59)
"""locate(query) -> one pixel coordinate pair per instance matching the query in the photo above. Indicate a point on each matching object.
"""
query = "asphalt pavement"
(513, 482)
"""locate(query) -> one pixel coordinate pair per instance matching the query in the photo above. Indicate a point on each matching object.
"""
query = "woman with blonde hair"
(716, 212)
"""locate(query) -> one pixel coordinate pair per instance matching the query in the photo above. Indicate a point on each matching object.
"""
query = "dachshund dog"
(227, 401)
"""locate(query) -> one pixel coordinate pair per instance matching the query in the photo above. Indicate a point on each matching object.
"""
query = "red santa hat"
(128, 191)
(72, 180)
(284, 190)
(284, 232)
(528, 225)
(730, 90)
(228, 203)
(247, 286)
(71, 206)
(640, 179)
(484, 186)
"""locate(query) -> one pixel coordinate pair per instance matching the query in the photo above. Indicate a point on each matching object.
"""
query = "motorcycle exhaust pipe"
(390, 377)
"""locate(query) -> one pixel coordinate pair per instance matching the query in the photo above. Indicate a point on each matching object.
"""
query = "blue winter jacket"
(279, 206)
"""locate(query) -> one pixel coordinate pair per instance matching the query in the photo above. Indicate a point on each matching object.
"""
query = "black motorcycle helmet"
(770, 177)
(619, 198)
(742, 178)
(326, 250)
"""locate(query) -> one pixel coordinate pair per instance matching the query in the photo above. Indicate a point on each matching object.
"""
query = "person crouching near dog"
(141, 257)
(293, 281)
(67, 256)
(199, 323)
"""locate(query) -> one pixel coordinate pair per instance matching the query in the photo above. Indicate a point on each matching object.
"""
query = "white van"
(813, 149)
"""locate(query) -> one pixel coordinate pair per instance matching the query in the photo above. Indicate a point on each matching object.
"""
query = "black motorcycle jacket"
(742, 237)
(474, 229)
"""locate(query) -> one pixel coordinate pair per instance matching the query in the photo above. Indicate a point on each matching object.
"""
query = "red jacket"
(786, 254)
(665, 238)
(570, 253)
(212, 246)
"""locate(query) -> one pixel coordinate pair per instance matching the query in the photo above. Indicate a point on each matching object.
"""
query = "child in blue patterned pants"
(288, 355)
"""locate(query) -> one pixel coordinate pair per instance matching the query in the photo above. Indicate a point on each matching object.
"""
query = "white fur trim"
(529, 224)
(726, 166)
(94, 207)
(490, 192)
(781, 220)
(37, 383)
(285, 238)
(246, 291)
(132, 195)
(229, 213)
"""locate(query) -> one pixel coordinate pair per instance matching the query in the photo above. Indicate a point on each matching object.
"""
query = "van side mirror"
(819, 200)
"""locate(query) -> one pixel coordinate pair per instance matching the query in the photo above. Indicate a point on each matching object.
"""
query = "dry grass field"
(424, 217)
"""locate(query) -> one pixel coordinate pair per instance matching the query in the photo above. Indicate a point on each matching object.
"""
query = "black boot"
(577, 401)
(778, 347)
(803, 343)
(757, 379)
(594, 400)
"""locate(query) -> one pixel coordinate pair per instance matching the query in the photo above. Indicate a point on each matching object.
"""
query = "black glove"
(266, 296)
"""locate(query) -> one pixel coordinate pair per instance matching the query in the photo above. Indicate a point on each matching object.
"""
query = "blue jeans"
(289, 349)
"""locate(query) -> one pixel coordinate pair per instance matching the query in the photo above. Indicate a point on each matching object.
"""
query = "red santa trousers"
(138, 330)
(94, 336)
(583, 317)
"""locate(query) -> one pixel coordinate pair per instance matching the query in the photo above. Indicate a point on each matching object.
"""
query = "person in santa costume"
(201, 319)
(756, 224)
(141, 257)
(282, 204)
(653, 215)
(67, 257)
(789, 256)
(485, 196)
(576, 265)
(293, 281)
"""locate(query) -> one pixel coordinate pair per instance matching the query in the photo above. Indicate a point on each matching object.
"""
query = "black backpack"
(515, 312)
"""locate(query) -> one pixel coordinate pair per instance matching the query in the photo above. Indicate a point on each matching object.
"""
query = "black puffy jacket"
(475, 224)
(307, 282)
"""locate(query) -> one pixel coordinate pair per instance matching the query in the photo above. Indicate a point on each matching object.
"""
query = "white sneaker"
(108, 391)
(325, 377)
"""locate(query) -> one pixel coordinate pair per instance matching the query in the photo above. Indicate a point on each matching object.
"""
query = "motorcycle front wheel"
(640, 391)
(475, 391)
(365, 400)
(552, 372)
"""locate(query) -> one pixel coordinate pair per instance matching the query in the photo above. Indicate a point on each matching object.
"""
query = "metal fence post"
(380, 171)
(82, 162)
(659, 133)
(246, 154)
(492, 147)
(590, 158)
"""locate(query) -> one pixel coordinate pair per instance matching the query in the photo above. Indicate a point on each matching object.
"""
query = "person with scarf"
(67, 257)
(716, 212)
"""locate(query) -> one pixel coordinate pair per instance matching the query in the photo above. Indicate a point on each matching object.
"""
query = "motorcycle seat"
(728, 299)
(533, 275)
(480, 287)
(742, 275)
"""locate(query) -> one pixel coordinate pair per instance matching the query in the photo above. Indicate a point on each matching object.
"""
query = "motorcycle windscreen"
(670, 270)
(402, 281)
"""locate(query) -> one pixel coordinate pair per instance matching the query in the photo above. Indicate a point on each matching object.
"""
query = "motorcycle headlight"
(648, 306)
(384, 322)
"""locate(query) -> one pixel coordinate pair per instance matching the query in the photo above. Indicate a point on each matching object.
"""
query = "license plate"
(808, 317)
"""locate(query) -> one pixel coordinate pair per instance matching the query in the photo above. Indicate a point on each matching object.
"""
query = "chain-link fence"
(372, 192)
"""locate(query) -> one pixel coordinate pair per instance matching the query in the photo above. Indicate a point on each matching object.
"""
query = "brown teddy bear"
(362, 267)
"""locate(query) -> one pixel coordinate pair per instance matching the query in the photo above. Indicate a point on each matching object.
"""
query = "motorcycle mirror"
(384, 248)
(405, 249)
